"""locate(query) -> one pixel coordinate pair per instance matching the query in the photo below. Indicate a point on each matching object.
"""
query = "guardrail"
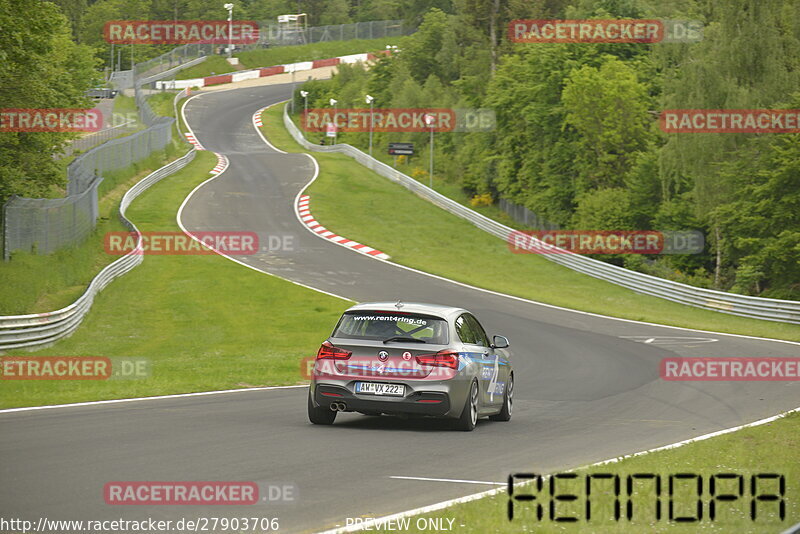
(170, 72)
(40, 329)
(99, 137)
(792, 530)
(178, 96)
(787, 311)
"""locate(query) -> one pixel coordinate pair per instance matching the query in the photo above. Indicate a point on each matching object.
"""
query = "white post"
(304, 94)
(430, 175)
(429, 119)
(370, 100)
(293, 88)
(229, 7)
(333, 102)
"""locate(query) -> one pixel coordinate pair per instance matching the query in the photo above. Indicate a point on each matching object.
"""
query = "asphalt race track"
(584, 392)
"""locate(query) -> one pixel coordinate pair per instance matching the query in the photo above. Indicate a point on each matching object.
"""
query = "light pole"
(333, 102)
(370, 100)
(430, 120)
(229, 7)
(304, 94)
(293, 87)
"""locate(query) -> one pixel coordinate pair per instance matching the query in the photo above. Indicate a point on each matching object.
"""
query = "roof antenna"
(398, 305)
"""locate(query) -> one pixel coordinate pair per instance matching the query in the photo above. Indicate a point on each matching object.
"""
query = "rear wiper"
(402, 338)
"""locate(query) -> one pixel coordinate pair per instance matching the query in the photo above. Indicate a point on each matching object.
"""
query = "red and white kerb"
(305, 216)
(195, 142)
(222, 164)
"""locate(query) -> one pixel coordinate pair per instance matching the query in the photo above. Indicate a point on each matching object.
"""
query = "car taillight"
(443, 358)
(328, 351)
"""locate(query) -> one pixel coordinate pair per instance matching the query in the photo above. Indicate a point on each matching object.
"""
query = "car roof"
(410, 307)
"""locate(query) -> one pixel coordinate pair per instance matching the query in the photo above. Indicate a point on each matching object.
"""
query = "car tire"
(508, 402)
(319, 415)
(469, 415)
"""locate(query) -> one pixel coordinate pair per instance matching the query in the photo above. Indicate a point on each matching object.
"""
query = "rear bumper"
(417, 402)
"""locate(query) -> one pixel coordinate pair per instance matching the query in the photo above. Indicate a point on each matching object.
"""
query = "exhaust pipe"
(338, 406)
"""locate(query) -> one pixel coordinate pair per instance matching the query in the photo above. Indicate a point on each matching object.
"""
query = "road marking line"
(669, 340)
(456, 480)
(157, 397)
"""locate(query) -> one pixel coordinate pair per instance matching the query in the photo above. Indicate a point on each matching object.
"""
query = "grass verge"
(289, 54)
(202, 322)
(388, 217)
(280, 55)
(125, 106)
(749, 452)
(161, 103)
(210, 66)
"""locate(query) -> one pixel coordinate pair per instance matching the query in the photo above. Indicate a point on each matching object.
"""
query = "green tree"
(419, 53)
(366, 10)
(604, 209)
(762, 223)
(608, 107)
(335, 12)
(40, 67)
(268, 10)
(73, 9)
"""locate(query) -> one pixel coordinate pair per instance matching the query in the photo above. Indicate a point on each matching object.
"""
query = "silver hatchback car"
(411, 360)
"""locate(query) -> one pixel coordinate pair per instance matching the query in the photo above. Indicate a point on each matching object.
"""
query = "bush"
(481, 200)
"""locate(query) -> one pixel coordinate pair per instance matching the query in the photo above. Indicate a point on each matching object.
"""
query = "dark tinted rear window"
(382, 325)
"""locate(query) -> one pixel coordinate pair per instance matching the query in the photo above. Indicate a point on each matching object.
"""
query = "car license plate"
(377, 388)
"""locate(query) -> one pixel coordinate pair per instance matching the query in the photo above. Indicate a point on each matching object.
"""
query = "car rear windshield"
(383, 325)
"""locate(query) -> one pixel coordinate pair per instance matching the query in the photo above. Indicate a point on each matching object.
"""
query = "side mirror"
(499, 342)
